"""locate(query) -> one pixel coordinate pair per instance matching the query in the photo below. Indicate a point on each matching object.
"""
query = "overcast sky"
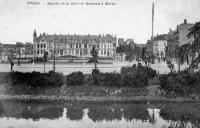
(126, 19)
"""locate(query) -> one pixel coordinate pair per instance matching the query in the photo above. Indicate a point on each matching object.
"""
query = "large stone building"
(149, 47)
(159, 45)
(19, 50)
(179, 36)
(24, 50)
(174, 39)
(73, 45)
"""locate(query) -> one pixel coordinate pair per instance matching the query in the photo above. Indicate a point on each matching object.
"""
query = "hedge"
(181, 83)
(36, 79)
(75, 78)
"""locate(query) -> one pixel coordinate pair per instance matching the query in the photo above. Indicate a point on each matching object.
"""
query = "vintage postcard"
(99, 63)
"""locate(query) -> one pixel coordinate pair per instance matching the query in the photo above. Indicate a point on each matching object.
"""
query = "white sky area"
(126, 19)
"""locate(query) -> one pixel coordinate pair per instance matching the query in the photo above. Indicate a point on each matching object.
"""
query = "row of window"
(103, 52)
(42, 45)
(85, 45)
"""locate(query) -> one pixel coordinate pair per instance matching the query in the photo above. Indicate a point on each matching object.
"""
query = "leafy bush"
(181, 83)
(95, 76)
(75, 78)
(36, 79)
(135, 79)
(150, 72)
(138, 69)
(137, 76)
(107, 79)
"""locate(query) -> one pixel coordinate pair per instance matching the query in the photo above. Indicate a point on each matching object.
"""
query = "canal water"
(40, 114)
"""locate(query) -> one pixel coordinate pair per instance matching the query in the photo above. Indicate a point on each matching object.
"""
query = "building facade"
(179, 37)
(73, 45)
(149, 47)
(159, 45)
(18, 50)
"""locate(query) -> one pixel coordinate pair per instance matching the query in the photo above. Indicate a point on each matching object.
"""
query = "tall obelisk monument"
(152, 21)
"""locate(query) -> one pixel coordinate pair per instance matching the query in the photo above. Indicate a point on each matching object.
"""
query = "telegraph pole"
(152, 21)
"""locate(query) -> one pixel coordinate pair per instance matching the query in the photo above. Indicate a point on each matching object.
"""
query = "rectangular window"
(77, 52)
(104, 51)
(76, 45)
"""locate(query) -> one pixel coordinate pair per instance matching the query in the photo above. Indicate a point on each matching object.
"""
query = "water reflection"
(101, 115)
(136, 111)
(181, 115)
(30, 110)
(75, 112)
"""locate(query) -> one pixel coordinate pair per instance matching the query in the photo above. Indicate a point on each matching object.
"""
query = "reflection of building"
(74, 45)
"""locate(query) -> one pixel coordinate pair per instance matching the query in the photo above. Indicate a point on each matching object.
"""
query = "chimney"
(185, 21)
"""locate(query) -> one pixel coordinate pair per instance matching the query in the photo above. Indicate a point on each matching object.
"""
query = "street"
(85, 68)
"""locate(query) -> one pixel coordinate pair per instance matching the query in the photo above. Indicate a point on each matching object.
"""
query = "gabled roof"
(76, 38)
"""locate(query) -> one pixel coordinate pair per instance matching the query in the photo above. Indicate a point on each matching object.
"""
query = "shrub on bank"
(75, 78)
(107, 79)
(135, 79)
(181, 83)
(139, 69)
(137, 76)
(36, 79)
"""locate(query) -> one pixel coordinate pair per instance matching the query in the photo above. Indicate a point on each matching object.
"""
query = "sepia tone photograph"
(99, 64)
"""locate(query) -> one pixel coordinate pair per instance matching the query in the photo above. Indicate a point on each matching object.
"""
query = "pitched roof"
(76, 38)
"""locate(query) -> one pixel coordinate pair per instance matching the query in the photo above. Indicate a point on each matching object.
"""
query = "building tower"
(34, 45)
(34, 35)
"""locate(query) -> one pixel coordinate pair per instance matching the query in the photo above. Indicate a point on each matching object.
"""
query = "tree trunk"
(11, 66)
(95, 65)
(179, 65)
(44, 66)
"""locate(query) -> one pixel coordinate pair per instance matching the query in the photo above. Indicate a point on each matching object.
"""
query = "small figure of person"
(18, 62)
